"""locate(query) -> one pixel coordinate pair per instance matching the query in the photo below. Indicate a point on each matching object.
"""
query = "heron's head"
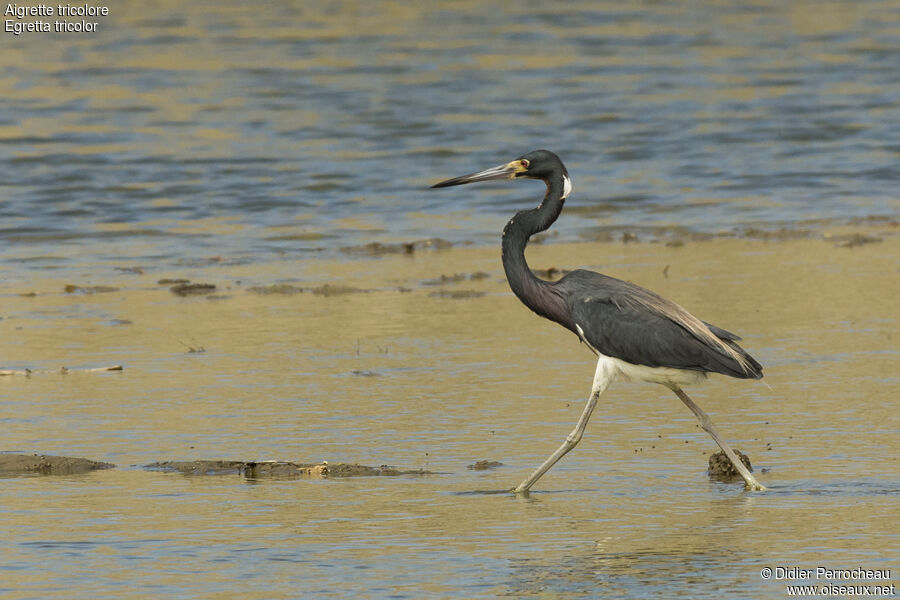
(537, 164)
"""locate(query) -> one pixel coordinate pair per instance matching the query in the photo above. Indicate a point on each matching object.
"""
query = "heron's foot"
(754, 486)
(520, 490)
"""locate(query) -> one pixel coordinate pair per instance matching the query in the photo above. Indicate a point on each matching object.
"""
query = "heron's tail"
(746, 367)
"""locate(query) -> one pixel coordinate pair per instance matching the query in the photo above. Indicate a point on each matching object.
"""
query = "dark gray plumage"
(628, 322)
(635, 333)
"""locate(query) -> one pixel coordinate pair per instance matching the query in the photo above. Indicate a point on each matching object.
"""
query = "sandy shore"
(775, 292)
(41, 464)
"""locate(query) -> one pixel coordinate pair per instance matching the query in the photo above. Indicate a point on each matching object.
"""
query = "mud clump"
(89, 289)
(43, 464)
(379, 249)
(444, 279)
(336, 290)
(457, 294)
(456, 278)
(62, 370)
(720, 467)
(327, 289)
(192, 289)
(276, 289)
(275, 468)
(782, 234)
(484, 465)
(362, 373)
(853, 240)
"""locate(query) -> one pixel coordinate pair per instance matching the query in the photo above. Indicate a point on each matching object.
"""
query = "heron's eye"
(524, 163)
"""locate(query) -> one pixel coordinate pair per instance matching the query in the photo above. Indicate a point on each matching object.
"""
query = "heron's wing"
(723, 333)
(631, 323)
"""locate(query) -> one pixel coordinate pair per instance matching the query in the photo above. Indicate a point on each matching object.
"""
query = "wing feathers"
(631, 323)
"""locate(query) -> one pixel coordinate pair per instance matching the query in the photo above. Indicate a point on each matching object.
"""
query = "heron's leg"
(708, 427)
(603, 376)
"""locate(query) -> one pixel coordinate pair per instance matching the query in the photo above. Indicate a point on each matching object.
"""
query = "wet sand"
(40, 464)
(275, 468)
(721, 468)
(767, 289)
(356, 361)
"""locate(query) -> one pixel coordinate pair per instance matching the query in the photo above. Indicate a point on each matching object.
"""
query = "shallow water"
(246, 146)
(211, 128)
(630, 513)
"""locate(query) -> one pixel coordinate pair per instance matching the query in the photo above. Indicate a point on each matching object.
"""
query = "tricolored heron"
(635, 333)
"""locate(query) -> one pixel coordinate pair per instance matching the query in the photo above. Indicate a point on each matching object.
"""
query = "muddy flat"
(721, 468)
(436, 383)
(43, 464)
(272, 468)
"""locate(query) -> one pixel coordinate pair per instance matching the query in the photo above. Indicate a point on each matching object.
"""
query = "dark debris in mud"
(276, 289)
(209, 260)
(379, 249)
(720, 467)
(272, 468)
(445, 279)
(336, 290)
(483, 465)
(457, 294)
(284, 289)
(26, 372)
(775, 235)
(456, 278)
(362, 373)
(193, 289)
(89, 289)
(43, 464)
(675, 236)
(853, 240)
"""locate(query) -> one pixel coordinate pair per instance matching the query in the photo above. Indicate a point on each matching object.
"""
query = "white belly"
(663, 375)
(620, 369)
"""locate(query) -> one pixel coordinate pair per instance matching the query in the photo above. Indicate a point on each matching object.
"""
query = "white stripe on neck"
(567, 187)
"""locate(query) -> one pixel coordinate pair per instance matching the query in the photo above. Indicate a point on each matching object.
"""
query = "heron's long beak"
(507, 171)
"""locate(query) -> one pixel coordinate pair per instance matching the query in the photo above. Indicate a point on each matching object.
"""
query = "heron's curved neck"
(533, 292)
